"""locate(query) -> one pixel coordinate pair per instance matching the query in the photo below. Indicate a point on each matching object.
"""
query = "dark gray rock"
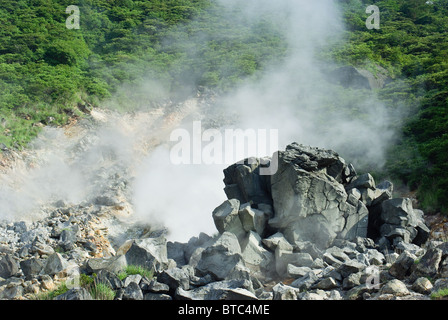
(31, 267)
(310, 201)
(428, 265)
(284, 292)
(402, 266)
(75, 294)
(176, 251)
(422, 285)
(196, 244)
(227, 218)
(8, 266)
(305, 282)
(114, 264)
(109, 278)
(174, 278)
(132, 292)
(219, 290)
(244, 182)
(154, 286)
(221, 259)
(364, 181)
(150, 253)
(67, 239)
(351, 266)
(157, 296)
(55, 263)
(398, 212)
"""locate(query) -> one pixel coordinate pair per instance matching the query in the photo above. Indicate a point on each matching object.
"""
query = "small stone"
(395, 287)
(422, 285)
(327, 284)
(132, 292)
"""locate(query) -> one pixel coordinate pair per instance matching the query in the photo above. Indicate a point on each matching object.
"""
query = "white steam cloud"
(293, 96)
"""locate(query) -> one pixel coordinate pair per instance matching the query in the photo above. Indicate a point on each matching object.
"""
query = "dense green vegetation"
(48, 72)
(412, 45)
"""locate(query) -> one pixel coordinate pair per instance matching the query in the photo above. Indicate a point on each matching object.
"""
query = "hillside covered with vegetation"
(412, 45)
(47, 71)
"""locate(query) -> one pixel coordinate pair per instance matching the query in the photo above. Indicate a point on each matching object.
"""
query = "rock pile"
(314, 229)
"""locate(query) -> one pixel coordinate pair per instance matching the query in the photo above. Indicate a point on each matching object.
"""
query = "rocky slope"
(314, 230)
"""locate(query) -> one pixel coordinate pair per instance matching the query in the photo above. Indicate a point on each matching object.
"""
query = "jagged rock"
(255, 255)
(136, 278)
(31, 267)
(440, 284)
(195, 246)
(175, 278)
(335, 257)
(429, 263)
(357, 221)
(327, 284)
(55, 263)
(218, 290)
(11, 291)
(351, 266)
(227, 218)
(296, 272)
(67, 239)
(277, 240)
(284, 292)
(113, 264)
(253, 219)
(402, 266)
(244, 182)
(110, 279)
(222, 258)
(349, 76)
(402, 246)
(39, 246)
(150, 253)
(311, 296)
(306, 197)
(8, 266)
(331, 271)
(356, 293)
(176, 251)
(364, 181)
(399, 217)
(284, 257)
(308, 247)
(352, 280)
(154, 286)
(422, 285)
(395, 287)
(108, 200)
(305, 282)
(157, 296)
(75, 294)
(132, 292)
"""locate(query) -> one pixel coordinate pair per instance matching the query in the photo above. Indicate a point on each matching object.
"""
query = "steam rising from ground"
(294, 97)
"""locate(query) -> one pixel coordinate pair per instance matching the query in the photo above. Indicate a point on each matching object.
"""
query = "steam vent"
(314, 229)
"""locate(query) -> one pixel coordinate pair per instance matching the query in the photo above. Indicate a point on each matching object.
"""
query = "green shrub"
(101, 291)
(440, 294)
(134, 269)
